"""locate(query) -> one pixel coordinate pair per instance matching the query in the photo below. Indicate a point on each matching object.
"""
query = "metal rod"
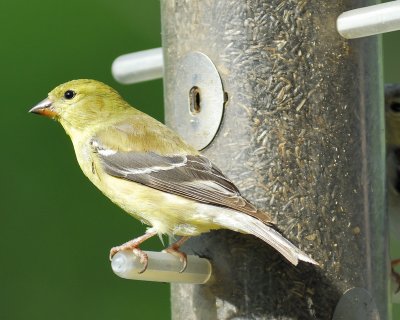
(138, 66)
(302, 136)
(162, 267)
(367, 21)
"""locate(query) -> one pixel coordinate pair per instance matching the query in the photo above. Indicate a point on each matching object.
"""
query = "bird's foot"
(133, 246)
(396, 275)
(174, 250)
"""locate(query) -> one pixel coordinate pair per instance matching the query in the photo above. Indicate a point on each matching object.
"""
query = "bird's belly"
(167, 213)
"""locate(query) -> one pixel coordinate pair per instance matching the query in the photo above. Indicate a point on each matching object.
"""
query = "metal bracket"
(199, 100)
(356, 304)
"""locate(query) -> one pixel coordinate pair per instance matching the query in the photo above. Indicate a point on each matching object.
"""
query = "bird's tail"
(246, 224)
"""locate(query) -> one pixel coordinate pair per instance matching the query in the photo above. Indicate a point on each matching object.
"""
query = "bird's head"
(79, 103)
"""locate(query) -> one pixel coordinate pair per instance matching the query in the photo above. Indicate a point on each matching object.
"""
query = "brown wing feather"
(190, 176)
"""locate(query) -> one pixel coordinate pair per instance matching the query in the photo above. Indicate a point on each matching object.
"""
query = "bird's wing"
(191, 176)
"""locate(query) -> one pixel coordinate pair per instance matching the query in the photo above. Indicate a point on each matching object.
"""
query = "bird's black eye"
(69, 94)
(395, 106)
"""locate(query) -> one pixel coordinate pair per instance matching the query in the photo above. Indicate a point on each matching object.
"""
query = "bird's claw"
(183, 259)
(179, 254)
(143, 258)
(174, 250)
(113, 252)
(133, 245)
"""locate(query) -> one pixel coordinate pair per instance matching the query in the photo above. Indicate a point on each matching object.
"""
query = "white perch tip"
(138, 66)
(162, 267)
(367, 21)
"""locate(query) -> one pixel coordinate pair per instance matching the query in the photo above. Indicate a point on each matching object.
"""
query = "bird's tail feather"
(247, 224)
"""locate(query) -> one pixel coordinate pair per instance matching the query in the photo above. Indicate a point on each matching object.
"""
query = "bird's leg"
(395, 275)
(133, 245)
(174, 250)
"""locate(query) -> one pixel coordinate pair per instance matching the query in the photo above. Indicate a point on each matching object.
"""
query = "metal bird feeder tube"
(302, 136)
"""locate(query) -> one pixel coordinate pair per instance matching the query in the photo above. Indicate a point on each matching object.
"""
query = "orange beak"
(44, 108)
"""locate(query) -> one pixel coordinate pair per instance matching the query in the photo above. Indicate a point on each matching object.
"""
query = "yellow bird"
(150, 172)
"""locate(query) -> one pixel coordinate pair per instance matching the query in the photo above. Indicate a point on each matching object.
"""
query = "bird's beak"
(44, 108)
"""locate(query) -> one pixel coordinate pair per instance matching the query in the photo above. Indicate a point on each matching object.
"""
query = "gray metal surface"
(355, 304)
(198, 99)
(302, 137)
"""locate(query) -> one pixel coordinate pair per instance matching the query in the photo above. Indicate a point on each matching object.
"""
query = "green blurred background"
(56, 228)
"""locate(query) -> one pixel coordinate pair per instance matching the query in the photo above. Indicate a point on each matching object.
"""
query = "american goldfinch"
(151, 173)
(392, 116)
